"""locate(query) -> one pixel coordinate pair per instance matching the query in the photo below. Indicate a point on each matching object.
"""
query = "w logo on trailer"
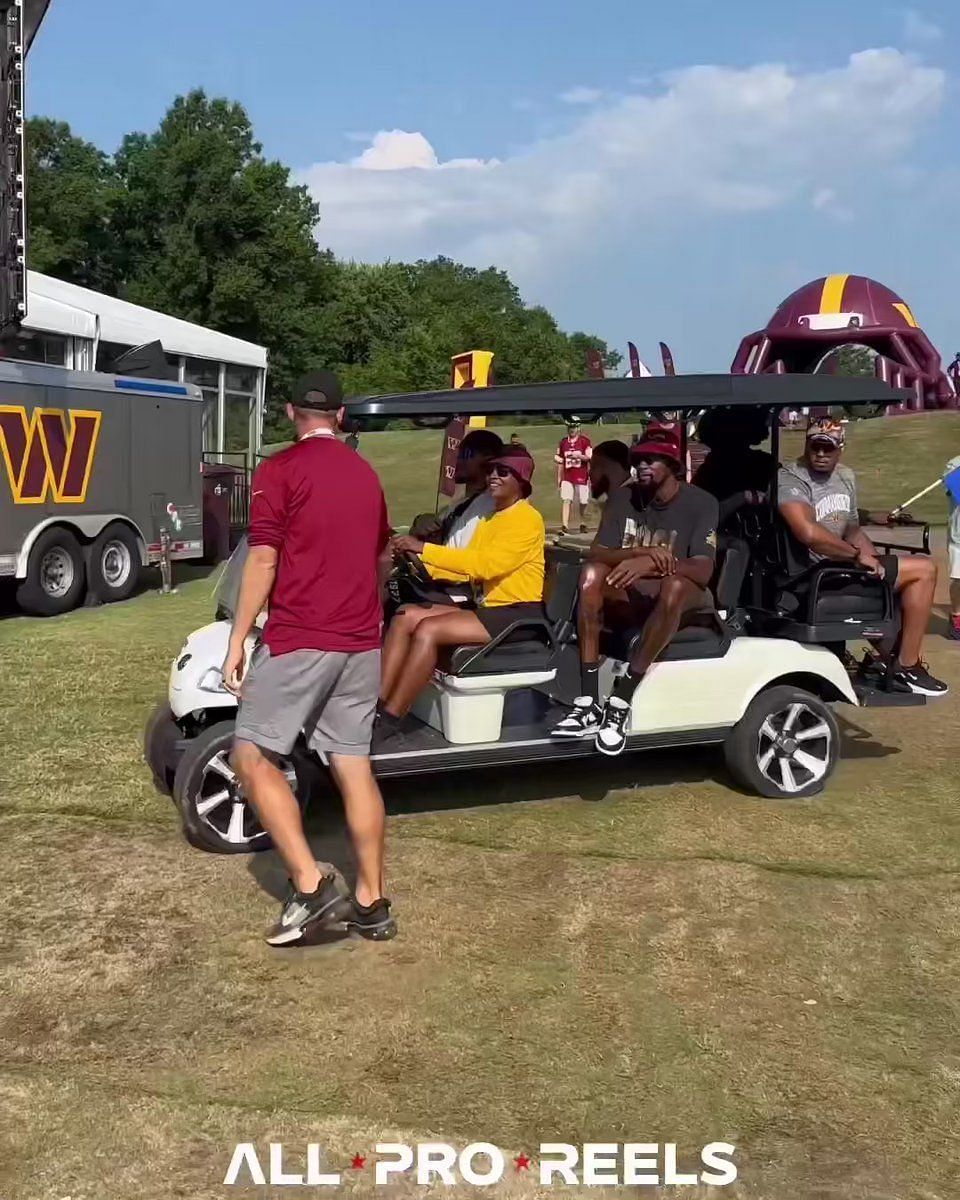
(48, 454)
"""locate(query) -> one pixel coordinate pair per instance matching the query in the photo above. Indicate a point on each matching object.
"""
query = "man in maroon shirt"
(318, 536)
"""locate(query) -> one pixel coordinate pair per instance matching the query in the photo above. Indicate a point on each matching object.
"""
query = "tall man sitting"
(817, 497)
(650, 565)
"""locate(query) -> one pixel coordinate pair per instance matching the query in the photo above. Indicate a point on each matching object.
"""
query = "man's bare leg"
(266, 787)
(955, 602)
(678, 596)
(916, 584)
(565, 511)
(366, 821)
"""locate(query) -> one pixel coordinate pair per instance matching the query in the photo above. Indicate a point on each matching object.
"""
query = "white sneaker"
(584, 721)
(611, 737)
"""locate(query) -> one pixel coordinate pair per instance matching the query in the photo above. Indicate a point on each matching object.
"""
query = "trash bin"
(221, 483)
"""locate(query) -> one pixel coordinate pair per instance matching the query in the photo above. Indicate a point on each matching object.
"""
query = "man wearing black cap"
(318, 533)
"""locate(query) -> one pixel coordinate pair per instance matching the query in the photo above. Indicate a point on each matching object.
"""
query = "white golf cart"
(760, 681)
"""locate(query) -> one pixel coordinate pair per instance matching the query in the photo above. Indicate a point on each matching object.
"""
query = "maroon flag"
(667, 358)
(452, 437)
(595, 365)
(634, 361)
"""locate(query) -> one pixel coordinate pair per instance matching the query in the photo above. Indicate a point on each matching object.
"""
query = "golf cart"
(760, 681)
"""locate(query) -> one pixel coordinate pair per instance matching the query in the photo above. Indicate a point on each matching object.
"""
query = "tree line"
(193, 220)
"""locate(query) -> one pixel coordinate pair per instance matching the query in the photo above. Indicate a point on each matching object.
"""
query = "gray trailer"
(96, 472)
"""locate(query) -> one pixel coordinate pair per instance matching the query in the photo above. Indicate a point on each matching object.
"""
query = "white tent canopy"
(66, 309)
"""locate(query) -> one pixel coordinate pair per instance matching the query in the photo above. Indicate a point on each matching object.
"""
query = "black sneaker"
(583, 529)
(371, 921)
(301, 910)
(584, 721)
(917, 679)
(611, 737)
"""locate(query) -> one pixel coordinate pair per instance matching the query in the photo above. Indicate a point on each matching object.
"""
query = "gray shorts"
(330, 695)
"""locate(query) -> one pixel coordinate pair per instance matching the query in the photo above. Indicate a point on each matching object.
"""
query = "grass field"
(633, 952)
(894, 458)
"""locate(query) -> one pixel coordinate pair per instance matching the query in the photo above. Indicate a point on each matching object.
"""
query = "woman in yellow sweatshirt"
(504, 557)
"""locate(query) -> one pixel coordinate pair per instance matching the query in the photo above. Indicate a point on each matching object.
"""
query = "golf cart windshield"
(228, 587)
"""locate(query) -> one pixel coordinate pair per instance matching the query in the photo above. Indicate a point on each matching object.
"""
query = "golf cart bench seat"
(530, 645)
(824, 602)
(691, 642)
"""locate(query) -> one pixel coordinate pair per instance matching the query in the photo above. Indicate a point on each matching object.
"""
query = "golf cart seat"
(530, 644)
(465, 700)
(710, 637)
(821, 603)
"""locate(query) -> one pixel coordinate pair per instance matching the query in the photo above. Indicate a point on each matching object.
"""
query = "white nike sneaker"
(611, 736)
(584, 721)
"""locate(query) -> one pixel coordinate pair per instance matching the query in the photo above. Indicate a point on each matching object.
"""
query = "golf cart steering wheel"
(415, 568)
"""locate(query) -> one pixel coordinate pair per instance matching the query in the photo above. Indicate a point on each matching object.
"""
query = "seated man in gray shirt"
(817, 497)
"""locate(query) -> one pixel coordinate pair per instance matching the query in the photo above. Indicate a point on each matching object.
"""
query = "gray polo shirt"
(833, 497)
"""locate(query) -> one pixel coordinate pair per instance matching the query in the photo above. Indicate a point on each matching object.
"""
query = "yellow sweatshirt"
(505, 555)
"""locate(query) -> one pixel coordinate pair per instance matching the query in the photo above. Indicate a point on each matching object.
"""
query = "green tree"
(212, 232)
(71, 194)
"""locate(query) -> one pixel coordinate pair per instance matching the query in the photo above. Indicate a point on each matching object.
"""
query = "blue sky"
(646, 170)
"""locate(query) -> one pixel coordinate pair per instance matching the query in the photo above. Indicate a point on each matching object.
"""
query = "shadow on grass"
(149, 581)
(329, 839)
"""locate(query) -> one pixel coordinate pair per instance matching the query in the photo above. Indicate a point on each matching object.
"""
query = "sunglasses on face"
(500, 472)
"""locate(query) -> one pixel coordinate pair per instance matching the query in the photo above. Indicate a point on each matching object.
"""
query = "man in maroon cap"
(650, 564)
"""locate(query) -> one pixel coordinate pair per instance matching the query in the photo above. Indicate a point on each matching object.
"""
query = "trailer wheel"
(113, 564)
(56, 578)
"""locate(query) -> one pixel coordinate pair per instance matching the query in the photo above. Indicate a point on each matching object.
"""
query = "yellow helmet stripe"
(904, 311)
(831, 298)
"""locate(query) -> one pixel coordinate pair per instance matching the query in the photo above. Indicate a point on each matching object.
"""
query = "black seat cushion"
(693, 641)
(862, 599)
(510, 657)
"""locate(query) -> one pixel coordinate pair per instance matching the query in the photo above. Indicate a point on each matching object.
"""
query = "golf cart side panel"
(716, 692)
(82, 450)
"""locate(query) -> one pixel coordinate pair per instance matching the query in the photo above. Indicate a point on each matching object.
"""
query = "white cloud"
(917, 29)
(709, 140)
(825, 200)
(582, 95)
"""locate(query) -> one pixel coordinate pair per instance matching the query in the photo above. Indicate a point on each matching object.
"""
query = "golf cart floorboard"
(874, 697)
(419, 749)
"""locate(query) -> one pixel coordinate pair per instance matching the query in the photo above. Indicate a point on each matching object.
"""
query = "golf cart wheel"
(159, 736)
(215, 815)
(113, 564)
(55, 575)
(785, 746)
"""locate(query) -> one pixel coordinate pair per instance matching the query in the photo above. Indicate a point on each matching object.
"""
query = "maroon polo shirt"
(321, 507)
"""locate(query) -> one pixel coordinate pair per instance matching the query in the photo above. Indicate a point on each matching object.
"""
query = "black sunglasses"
(502, 472)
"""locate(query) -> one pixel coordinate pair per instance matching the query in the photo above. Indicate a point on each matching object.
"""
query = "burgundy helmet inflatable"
(840, 309)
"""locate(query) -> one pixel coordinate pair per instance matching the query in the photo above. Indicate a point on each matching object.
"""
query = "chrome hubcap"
(793, 747)
(56, 572)
(222, 806)
(116, 564)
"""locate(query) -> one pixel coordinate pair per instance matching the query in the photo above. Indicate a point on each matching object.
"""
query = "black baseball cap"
(318, 389)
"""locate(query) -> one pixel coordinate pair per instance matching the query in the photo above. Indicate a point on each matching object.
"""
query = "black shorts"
(891, 566)
(499, 617)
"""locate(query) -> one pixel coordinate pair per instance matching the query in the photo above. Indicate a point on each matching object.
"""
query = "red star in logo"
(522, 1162)
(358, 1162)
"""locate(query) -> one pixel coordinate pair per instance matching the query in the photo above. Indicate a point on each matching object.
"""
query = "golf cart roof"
(591, 397)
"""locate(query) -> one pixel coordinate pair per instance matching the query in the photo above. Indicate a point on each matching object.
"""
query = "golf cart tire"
(194, 781)
(36, 594)
(748, 745)
(158, 738)
(113, 564)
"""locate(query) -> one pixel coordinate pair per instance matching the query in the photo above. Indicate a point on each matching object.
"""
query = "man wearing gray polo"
(318, 536)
